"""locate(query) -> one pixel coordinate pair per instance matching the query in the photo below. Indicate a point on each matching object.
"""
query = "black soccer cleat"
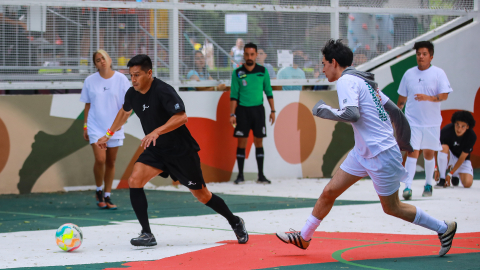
(441, 183)
(239, 180)
(455, 181)
(263, 180)
(446, 238)
(144, 240)
(240, 231)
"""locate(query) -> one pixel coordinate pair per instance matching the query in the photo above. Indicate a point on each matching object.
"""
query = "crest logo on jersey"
(145, 107)
(105, 88)
(455, 144)
(177, 106)
(420, 80)
(241, 74)
(244, 82)
(344, 101)
(239, 133)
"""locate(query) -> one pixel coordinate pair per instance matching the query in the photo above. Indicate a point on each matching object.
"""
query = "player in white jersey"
(421, 90)
(376, 153)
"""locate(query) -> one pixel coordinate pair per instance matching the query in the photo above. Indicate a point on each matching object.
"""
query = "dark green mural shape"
(342, 142)
(47, 150)
(342, 139)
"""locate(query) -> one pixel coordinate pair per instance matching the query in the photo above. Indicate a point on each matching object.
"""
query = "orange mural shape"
(295, 133)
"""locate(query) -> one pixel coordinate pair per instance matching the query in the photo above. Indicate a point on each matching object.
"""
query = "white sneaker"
(446, 238)
(293, 237)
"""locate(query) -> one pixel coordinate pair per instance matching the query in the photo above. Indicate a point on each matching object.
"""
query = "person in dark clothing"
(169, 147)
(457, 139)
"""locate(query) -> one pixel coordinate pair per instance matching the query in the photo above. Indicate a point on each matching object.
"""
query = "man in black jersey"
(169, 147)
(249, 82)
(457, 140)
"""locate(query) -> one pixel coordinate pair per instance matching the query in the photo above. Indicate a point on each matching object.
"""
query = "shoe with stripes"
(293, 237)
(144, 240)
(446, 238)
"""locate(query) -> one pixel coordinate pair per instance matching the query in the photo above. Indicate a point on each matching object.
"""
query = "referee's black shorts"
(185, 169)
(250, 118)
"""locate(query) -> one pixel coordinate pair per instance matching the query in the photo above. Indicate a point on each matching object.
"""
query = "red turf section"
(264, 251)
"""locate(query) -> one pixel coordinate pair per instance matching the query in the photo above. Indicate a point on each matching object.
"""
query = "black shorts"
(185, 169)
(250, 118)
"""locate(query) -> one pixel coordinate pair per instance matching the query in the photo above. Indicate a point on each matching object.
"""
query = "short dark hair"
(250, 45)
(141, 60)
(464, 116)
(424, 44)
(338, 51)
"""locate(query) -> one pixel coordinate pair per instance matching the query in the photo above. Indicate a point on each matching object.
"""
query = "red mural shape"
(4, 145)
(447, 116)
(217, 144)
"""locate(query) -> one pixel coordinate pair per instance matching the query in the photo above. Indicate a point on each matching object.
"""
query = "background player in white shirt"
(375, 154)
(421, 90)
(103, 93)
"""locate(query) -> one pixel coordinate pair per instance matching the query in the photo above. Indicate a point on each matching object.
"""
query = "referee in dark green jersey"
(249, 81)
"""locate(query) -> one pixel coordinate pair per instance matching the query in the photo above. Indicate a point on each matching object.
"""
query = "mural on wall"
(42, 147)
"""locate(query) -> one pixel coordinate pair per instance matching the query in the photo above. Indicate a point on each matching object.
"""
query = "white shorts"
(466, 166)
(385, 169)
(111, 143)
(426, 138)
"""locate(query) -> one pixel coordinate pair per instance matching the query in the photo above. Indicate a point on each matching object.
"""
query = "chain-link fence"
(43, 43)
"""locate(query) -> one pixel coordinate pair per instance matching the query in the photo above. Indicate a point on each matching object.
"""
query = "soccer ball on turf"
(69, 237)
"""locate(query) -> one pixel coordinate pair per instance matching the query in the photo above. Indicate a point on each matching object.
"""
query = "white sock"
(310, 226)
(99, 188)
(442, 160)
(429, 168)
(425, 220)
(410, 166)
(107, 194)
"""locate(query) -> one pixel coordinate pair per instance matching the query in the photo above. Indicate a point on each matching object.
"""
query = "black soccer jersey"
(457, 144)
(154, 109)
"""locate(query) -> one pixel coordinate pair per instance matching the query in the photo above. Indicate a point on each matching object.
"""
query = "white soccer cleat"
(293, 237)
(446, 238)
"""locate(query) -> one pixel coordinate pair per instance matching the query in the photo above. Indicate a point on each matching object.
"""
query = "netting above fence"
(56, 43)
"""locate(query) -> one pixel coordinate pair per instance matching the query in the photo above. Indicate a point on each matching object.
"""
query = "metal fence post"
(335, 21)
(174, 47)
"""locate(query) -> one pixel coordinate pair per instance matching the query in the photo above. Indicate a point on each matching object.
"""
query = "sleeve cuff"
(269, 97)
(233, 99)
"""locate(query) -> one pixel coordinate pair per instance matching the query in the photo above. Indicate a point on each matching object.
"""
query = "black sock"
(140, 206)
(240, 160)
(218, 205)
(259, 154)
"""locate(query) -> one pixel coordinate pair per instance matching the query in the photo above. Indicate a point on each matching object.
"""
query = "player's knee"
(110, 163)
(100, 161)
(468, 184)
(329, 194)
(134, 182)
(390, 210)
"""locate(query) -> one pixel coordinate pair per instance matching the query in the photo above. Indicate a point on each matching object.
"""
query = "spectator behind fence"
(318, 75)
(261, 56)
(13, 37)
(249, 82)
(294, 72)
(103, 93)
(237, 53)
(200, 73)
(359, 57)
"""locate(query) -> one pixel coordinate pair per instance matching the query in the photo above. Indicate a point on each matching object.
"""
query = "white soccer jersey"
(106, 98)
(373, 131)
(431, 82)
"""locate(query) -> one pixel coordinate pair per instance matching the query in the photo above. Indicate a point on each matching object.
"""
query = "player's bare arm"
(120, 120)
(436, 98)
(401, 102)
(85, 116)
(176, 121)
(349, 114)
(457, 165)
(272, 113)
(233, 119)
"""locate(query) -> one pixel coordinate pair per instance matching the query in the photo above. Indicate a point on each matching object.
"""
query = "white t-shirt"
(373, 131)
(106, 98)
(431, 82)
(237, 54)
